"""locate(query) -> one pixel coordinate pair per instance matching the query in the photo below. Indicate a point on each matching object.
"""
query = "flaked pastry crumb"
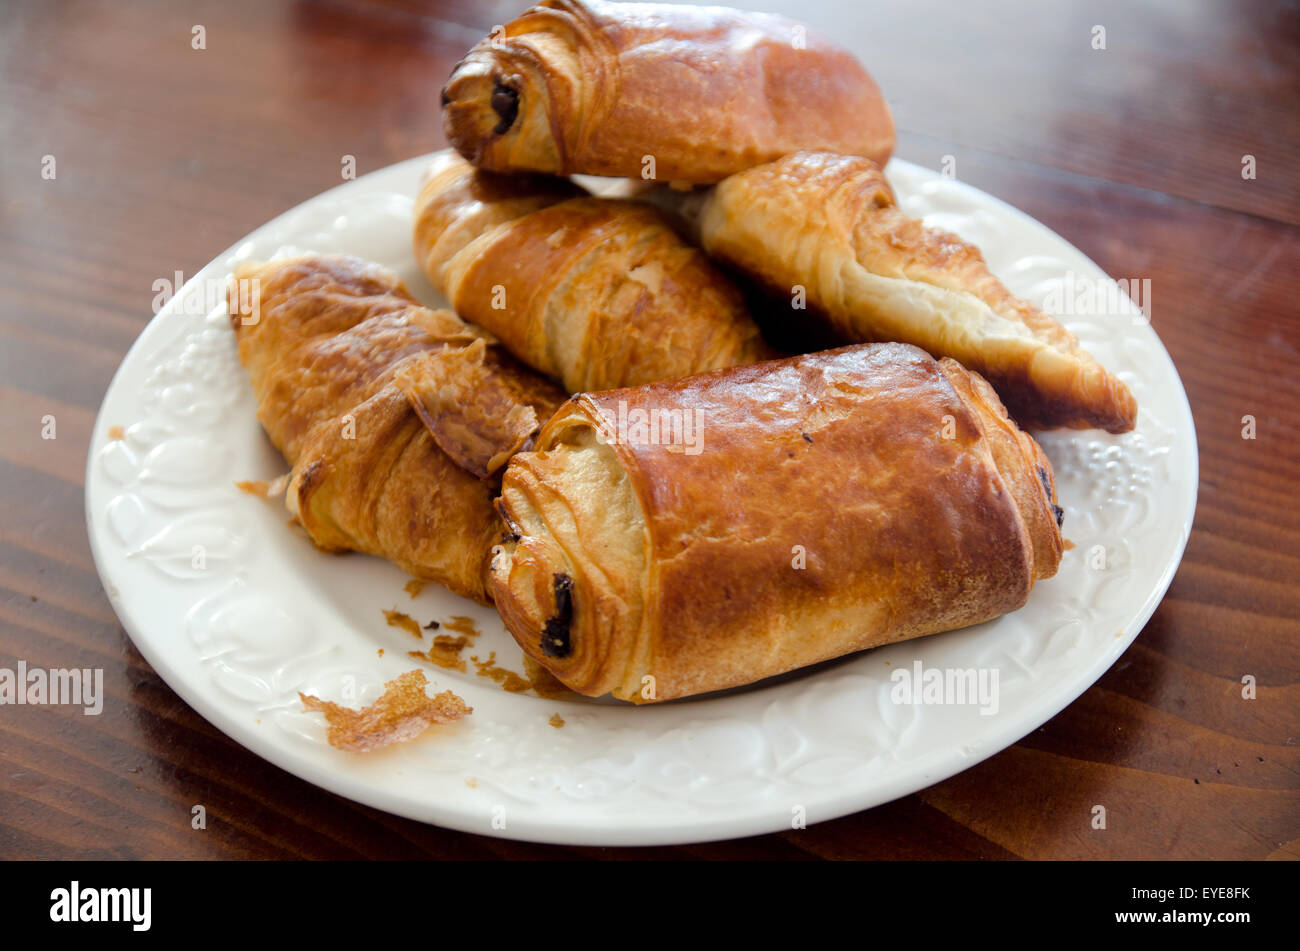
(410, 625)
(445, 652)
(403, 712)
(510, 681)
(263, 489)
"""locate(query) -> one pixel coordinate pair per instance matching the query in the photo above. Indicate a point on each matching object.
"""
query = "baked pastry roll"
(593, 292)
(589, 87)
(828, 224)
(811, 507)
(394, 417)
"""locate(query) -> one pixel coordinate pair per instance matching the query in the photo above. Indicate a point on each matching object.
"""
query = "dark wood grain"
(166, 155)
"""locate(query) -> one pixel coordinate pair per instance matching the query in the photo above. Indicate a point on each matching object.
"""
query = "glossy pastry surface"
(795, 511)
(686, 93)
(593, 292)
(873, 273)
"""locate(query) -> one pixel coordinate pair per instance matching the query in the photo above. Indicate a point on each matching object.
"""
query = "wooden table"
(166, 154)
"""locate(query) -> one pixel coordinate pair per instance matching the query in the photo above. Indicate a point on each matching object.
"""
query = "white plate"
(261, 615)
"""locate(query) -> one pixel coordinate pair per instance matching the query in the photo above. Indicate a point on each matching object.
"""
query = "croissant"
(394, 417)
(873, 273)
(668, 92)
(593, 292)
(705, 533)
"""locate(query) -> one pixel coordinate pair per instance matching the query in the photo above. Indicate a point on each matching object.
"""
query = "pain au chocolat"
(672, 92)
(821, 505)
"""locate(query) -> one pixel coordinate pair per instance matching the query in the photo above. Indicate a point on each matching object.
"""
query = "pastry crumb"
(462, 625)
(403, 712)
(381, 652)
(556, 720)
(116, 432)
(445, 652)
(415, 586)
(263, 489)
(471, 782)
(1068, 544)
(396, 618)
(544, 683)
(510, 681)
(446, 649)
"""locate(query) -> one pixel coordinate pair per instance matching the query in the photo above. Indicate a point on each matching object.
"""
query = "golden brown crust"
(590, 87)
(457, 205)
(876, 274)
(339, 357)
(593, 292)
(477, 416)
(838, 501)
(1022, 463)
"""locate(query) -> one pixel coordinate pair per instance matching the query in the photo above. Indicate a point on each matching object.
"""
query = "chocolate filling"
(513, 530)
(505, 103)
(555, 636)
(1047, 485)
